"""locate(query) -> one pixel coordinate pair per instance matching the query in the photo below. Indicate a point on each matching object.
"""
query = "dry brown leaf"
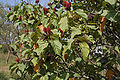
(36, 68)
(109, 74)
(35, 46)
(103, 22)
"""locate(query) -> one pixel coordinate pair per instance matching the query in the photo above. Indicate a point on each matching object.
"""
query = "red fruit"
(68, 5)
(17, 60)
(37, 1)
(45, 10)
(49, 30)
(9, 8)
(64, 3)
(62, 33)
(60, 30)
(27, 3)
(45, 29)
(27, 31)
(55, 9)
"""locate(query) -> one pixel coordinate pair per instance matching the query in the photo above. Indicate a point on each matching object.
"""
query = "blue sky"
(14, 2)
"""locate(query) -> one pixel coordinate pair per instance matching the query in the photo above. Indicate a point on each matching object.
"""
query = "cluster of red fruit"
(67, 5)
(47, 30)
(45, 10)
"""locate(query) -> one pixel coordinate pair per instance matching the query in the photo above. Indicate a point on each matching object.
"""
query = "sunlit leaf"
(84, 50)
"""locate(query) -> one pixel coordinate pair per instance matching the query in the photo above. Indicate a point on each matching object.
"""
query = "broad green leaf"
(19, 73)
(11, 17)
(81, 13)
(111, 1)
(42, 45)
(68, 46)
(92, 27)
(44, 77)
(76, 75)
(13, 46)
(63, 23)
(75, 31)
(0, 46)
(111, 15)
(84, 50)
(67, 76)
(22, 36)
(117, 49)
(31, 21)
(21, 67)
(11, 79)
(34, 61)
(57, 46)
(25, 51)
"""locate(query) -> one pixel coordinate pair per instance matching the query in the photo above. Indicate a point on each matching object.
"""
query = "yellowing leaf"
(84, 50)
(71, 78)
(41, 28)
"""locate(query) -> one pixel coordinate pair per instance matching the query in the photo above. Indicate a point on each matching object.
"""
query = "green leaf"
(10, 67)
(81, 13)
(111, 1)
(34, 61)
(31, 21)
(117, 49)
(67, 76)
(56, 45)
(21, 67)
(63, 23)
(111, 15)
(84, 50)
(11, 17)
(42, 45)
(13, 46)
(76, 75)
(75, 31)
(11, 79)
(68, 46)
(19, 73)
(0, 46)
(25, 51)
(44, 77)
(92, 27)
